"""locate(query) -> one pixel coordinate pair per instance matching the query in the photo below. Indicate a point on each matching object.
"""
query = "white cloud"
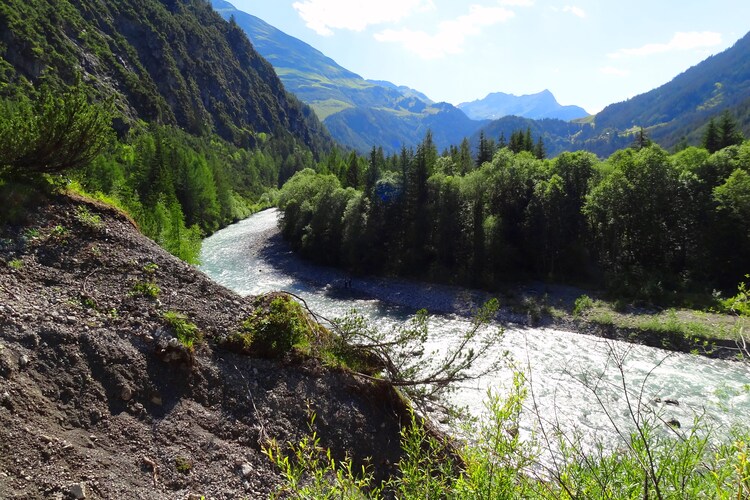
(576, 11)
(612, 71)
(451, 35)
(324, 16)
(680, 41)
(516, 3)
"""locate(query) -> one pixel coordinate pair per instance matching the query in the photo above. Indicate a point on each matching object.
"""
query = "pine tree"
(353, 172)
(728, 131)
(464, 157)
(501, 142)
(641, 141)
(375, 170)
(516, 141)
(539, 151)
(711, 140)
(486, 149)
(528, 142)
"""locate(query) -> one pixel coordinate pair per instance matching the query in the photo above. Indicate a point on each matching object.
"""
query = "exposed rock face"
(87, 402)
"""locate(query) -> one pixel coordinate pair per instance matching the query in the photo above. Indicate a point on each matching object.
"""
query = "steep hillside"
(683, 105)
(170, 61)
(100, 400)
(359, 113)
(536, 106)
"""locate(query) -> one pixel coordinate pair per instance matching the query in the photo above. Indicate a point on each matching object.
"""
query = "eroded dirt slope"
(98, 400)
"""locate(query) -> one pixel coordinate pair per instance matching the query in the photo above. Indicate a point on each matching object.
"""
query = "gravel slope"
(97, 400)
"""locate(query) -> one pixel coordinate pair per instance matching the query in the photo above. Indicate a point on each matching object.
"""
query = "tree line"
(178, 187)
(643, 222)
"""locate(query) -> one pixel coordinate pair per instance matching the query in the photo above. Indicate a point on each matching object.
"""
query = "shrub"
(183, 465)
(52, 135)
(309, 471)
(85, 217)
(185, 331)
(147, 289)
(582, 304)
(740, 303)
(277, 324)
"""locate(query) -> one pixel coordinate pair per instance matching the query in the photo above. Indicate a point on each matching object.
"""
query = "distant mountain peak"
(536, 106)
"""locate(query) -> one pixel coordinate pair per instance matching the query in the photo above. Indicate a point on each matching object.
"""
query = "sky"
(590, 53)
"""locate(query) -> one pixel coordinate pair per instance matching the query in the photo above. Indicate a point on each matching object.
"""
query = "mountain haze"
(535, 106)
(359, 113)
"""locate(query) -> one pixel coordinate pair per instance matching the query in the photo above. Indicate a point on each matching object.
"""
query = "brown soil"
(98, 398)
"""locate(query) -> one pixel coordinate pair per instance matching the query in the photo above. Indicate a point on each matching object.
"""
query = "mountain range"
(536, 106)
(362, 113)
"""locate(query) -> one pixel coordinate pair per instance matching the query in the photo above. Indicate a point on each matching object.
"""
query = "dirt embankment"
(99, 400)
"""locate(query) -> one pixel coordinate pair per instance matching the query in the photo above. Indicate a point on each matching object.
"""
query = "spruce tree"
(711, 140)
(539, 150)
(728, 131)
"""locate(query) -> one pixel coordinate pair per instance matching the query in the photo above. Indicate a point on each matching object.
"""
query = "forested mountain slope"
(174, 62)
(682, 106)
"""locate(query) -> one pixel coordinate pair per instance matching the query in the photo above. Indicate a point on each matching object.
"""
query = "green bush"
(740, 303)
(185, 331)
(183, 465)
(277, 324)
(582, 304)
(147, 289)
(85, 217)
(52, 135)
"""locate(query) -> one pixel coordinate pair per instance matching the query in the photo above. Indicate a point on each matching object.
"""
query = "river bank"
(527, 305)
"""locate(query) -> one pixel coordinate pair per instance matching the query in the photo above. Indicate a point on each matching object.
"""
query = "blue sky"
(587, 52)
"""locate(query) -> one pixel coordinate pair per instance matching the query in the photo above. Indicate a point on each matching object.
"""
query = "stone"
(126, 394)
(78, 491)
(246, 469)
(23, 361)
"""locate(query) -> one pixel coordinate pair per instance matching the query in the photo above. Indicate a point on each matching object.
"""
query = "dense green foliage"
(51, 135)
(179, 188)
(203, 125)
(176, 186)
(171, 62)
(644, 222)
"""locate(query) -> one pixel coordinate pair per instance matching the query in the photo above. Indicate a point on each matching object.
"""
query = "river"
(561, 367)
